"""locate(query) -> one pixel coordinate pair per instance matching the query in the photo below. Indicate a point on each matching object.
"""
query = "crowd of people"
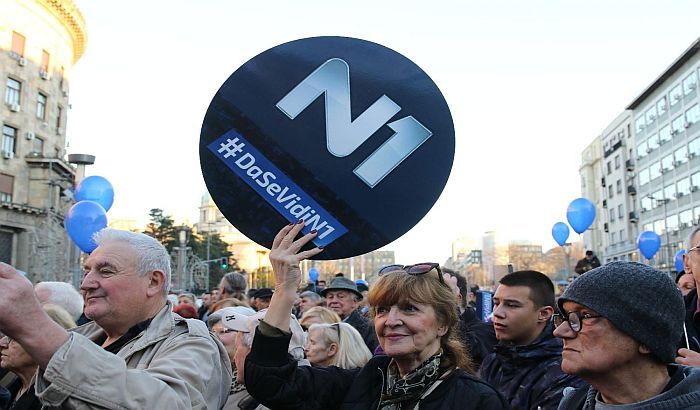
(621, 335)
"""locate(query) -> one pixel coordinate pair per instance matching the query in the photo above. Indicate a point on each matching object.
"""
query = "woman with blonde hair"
(318, 314)
(336, 344)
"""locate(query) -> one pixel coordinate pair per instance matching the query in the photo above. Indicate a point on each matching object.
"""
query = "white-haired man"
(136, 353)
(62, 294)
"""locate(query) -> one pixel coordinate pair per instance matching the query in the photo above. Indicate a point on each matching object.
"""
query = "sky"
(529, 84)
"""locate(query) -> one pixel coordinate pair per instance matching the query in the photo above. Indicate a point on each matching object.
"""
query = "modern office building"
(650, 166)
(40, 41)
(592, 187)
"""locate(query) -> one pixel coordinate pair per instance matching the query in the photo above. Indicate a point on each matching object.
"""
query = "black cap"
(263, 293)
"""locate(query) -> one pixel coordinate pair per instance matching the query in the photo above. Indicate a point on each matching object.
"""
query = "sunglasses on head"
(415, 270)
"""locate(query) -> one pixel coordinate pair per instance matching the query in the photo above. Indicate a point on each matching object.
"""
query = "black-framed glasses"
(415, 270)
(337, 328)
(575, 319)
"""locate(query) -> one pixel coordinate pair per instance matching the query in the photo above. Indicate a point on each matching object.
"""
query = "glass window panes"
(659, 226)
(670, 192)
(677, 125)
(639, 124)
(622, 235)
(18, 43)
(681, 155)
(661, 106)
(644, 176)
(694, 147)
(612, 215)
(665, 134)
(650, 115)
(686, 217)
(613, 237)
(692, 115)
(13, 91)
(38, 145)
(683, 186)
(646, 203)
(695, 180)
(696, 211)
(658, 198)
(620, 211)
(672, 222)
(690, 83)
(667, 162)
(642, 149)
(618, 186)
(610, 191)
(41, 106)
(675, 95)
(653, 142)
(9, 137)
(654, 170)
(617, 162)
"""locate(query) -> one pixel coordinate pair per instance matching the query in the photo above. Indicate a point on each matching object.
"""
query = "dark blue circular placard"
(381, 169)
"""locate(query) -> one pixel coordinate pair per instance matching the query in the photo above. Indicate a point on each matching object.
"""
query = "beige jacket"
(174, 364)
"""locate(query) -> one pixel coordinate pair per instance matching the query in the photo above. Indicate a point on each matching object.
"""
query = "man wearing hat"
(621, 339)
(590, 261)
(261, 298)
(343, 298)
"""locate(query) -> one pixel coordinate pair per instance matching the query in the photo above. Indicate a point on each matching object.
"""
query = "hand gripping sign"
(348, 135)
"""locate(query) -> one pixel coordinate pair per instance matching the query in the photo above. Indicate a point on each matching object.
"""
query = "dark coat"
(584, 265)
(365, 327)
(530, 376)
(273, 378)
(480, 337)
(691, 327)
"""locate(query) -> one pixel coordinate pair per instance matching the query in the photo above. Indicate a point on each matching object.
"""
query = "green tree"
(162, 228)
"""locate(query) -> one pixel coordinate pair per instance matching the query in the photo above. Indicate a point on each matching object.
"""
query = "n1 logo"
(284, 139)
(343, 136)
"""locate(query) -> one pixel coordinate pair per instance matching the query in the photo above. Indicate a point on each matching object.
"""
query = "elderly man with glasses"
(689, 345)
(622, 322)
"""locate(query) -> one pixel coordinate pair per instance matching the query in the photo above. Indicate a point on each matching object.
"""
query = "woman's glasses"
(337, 327)
(415, 270)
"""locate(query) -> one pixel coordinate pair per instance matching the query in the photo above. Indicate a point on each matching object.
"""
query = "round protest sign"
(346, 134)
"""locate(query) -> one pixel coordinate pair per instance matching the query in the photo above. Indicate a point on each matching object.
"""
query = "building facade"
(40, 41)
(592, 185)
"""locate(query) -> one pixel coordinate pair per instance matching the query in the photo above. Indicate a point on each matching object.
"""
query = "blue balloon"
(82, 221)
(96, 189)
(580, 214)
(648, 242)
(560, 233)
(313, 274)
(678, 260)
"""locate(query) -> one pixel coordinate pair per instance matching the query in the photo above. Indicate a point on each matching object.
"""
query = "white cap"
(236, 318)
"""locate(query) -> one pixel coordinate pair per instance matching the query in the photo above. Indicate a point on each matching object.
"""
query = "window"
(45, 60)
(646, 203)
(653, 142)
(617, 161)
(670, 192)
(610, 191)
(675, 95)
(613, 238)
(659, 226)
(650, 115)
(690, 83)
(654, 170)
(18, 43)
(9, 138)
(58, 118)
(13, 92)
(620, 212)
(658, 198)
(41, 106)
(7, 183)
(644, 176)
(618, 186)
(695, 179)
(665, 134)
(609, 165)
(683, 186)
(692, 115)
(686, 217)
(694, 148)
(622, 235)
(649, 227)
(681, 155)
(38, 145)
(667, 163)
(642, 149)
(639, 124)
(677, 125)
(672, 222)
(612, 215)
(696, 211)
(661, 106)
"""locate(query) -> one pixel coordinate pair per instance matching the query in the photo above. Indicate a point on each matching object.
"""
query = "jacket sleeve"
(548, 392)
(82, 375)
(274, 379)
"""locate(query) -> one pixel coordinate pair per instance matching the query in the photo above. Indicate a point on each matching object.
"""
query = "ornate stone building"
(40, 41)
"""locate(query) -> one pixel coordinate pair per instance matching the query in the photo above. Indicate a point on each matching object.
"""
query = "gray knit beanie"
(639, 300)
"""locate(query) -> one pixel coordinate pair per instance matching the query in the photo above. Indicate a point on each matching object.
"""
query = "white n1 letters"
(343, 136)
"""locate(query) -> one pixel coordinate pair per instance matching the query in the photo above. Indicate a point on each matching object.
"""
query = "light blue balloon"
(580, 214)
(313, 274)
(649, 243)
(560, 233)
(82, 221)
(678, 260)
(97, 189)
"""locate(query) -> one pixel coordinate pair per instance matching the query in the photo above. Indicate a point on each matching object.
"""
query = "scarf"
(404, 392)
(235, 386)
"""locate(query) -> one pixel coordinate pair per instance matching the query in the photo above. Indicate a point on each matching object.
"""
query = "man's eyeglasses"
(415, 270)
(694, 248)
(575, 319)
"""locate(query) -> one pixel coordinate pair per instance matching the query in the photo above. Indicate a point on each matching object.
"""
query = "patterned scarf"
(405, 392)
(235, 386)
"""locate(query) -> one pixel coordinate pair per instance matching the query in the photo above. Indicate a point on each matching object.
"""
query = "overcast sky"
(529, 85)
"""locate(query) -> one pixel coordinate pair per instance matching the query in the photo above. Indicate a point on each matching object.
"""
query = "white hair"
(352, 350)
(64, 295)
(151, 255)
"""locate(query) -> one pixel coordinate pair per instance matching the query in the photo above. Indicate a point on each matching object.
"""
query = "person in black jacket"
(590, 261)
(414, 314)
